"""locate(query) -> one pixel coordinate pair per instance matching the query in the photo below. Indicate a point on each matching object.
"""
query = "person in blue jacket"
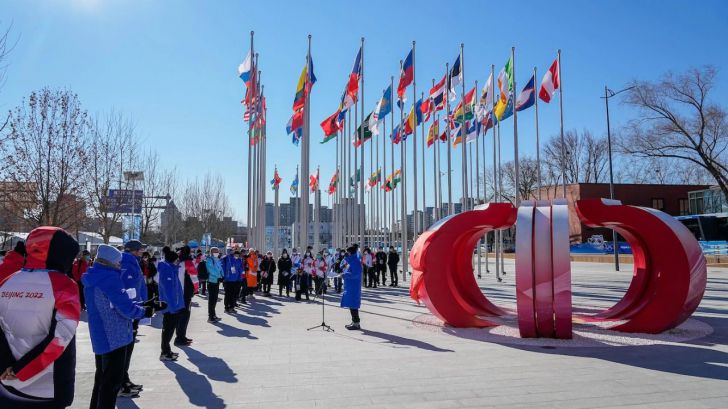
(351, 298)
(232, 268)
(172, 293)
(110, 314)
(215, 276)
(133, 278)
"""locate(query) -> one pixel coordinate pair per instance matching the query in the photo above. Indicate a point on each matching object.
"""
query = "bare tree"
(110, 154)
(584, 160)
(5, 49)
(204, 206)
(677, 120)
(159, 185)
(528, 180)
(44, 159)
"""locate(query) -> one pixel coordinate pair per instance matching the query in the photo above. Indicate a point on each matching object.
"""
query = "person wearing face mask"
(133, 279)
(392, 262)
(79, 267)
(351, 298)
(267, 268)
(337, 267)
(320, 268)
(149, 270)
(381, 266)
(232, 270)
(251, 276)
(202, 273)
(215, 275)
(284, 273)
(309, 268)
(172, 293)
(368, 264)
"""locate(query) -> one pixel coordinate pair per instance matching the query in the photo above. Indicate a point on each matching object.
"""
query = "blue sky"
(171, 65)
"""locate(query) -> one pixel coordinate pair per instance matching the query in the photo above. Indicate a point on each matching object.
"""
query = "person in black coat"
(185, 256)
(380, 265)
(267, 269)
(392, 262)
(284, 273)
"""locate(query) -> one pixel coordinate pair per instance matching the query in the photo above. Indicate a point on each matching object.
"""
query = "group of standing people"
(46, 282)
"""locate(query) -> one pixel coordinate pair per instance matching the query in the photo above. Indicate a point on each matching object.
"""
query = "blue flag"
(527, 97)
(385, 104)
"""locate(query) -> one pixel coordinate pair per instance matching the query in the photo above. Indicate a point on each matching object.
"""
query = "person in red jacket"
(79, 267)
(13, 261)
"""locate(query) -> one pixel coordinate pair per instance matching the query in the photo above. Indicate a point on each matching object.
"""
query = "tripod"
(323, 324)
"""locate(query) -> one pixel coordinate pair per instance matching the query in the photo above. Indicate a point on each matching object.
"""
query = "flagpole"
(438, 176)
(538, 142)
(477, 178)
(336, 221)
(263, 173)
(515, 130)
(317, 213)
(357, 175)
(424, 166)
(485, 180)
(463, 129)
(561, 118)
(383, 221)
(362, 226)
(496, 185)
(451, 207)
(403, 193)
(436, 136)
(415, 216)
(297, 209)
(391, 147)
(305, 147)
(276, 216)
(256, 166)
(250, 140)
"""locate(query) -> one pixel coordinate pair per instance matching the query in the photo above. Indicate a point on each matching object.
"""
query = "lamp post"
(133, 177)
(608, 93)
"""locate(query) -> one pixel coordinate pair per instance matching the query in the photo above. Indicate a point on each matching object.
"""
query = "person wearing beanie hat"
(111, 312)
(38, 332)
(13, 260)
(133, 278)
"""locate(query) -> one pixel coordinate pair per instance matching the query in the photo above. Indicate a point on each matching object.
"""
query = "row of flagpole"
(376, 224)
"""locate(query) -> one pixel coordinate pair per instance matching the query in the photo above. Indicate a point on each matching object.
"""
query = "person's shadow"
(230, 331)
(213, 367)
(397, 341)
(197, 387)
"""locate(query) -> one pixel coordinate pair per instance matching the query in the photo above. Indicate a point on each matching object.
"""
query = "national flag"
(334, 182)
(313, 182)
(384, 107)
(550, 82)
(245, 68)
(472, 130)
(294, 185)
(295, 122)
(456, 75)
(427, 109)
(437, 94)
(468, 112)
(331, 126)
(351, 93)
(355, 178)
(527, 97)
(507, 111)
(305, 83)
(276, 180)
(392, 181)
(487, 121)
(505, 88)
(375, 178)
(414, 118)
(486, 96)
(396, 135)
(363, 132)
(433, 133)
(374, 123)
(406, 76)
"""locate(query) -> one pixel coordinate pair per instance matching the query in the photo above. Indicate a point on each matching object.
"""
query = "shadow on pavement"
(212, 367)
(197, 387)
(395, 340)
(230, 331)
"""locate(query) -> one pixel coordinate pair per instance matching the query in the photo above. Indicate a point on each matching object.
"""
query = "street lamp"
(608, 93)
(133, 177)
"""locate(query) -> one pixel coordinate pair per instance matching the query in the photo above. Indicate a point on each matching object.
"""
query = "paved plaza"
(264, 358)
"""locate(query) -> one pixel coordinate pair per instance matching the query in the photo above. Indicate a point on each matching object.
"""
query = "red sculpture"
(442, 271)
(669, 267)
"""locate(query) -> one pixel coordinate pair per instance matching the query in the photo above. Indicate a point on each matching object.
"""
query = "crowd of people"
(46, 283)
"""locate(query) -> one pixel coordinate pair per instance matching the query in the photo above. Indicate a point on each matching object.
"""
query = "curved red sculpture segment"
(670, 271)
(669, 267)
(442, 270)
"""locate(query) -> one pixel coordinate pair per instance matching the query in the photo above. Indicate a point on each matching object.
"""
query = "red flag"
(550, 82)
(331, 124)
(297, 120)
(313, 182)
(406, 76)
